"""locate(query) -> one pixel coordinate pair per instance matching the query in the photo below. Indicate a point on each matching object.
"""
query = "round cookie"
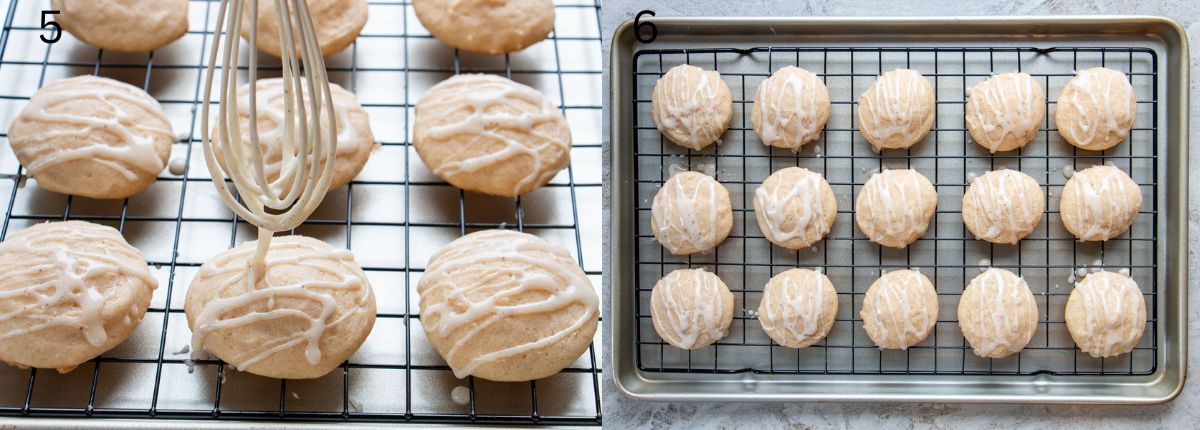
(691, 308)
(124, 25)
(335, 22)
(1106, 314)
(790, 108)
(1005, 112)
(92, 137)
(1003, 206)
(355, 142)
(894, 207)
(798, 307)
(899, 309)
(70, 291)
(1099, 203)
(795, 207)
(1096, 109)
(487, 26)
(507, 306)
(310, 309)
(491, 135)
(691, 213)
(691, 106)
(897, 110)
(997, 313)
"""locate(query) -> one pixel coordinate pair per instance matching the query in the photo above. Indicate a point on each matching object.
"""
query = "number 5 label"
(55, 29)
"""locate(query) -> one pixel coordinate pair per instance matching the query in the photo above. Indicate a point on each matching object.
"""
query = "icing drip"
(500, 112)
(110, 134)
(798, 307)
(684, 213)
(1112, 304)
(791, 98)
(53, 275)
(494, 276)
(1015, 103)
(1004, 305)
(901, 310)
(690, 307)
(1104, 105)
(802, 203)
(891, 206)
(687, 103)
(1103, 197)
(895, 112)
(237, 307)
(271, 110)
(1008, 204)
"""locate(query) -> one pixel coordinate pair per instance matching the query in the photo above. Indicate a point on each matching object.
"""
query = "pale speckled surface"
(621, 412)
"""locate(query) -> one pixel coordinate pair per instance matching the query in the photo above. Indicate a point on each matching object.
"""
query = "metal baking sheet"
(848, 53)
(393, 216)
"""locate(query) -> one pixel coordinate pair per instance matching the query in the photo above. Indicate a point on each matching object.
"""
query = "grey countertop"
(622, 412)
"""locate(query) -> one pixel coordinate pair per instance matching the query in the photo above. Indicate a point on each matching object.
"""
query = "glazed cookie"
(124, 25)
(1099, 203)
(798, 307)
(1005, 112)
(795, 207)
(691, 308)
(1106, 314)
(1096, 109)
(507, 306)
(310, 308)
(897, 110)
(691, 107)
(491, 135)
(691, 213)
(355, 142)
(1003, 206)
(900, 309)
(70, 291)
(894, 207)
(92, 137)
(997, 313)
(336, 23)
(790, 108)
(487, 26)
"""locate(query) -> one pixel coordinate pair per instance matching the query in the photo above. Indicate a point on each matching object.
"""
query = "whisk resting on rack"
(309, 129)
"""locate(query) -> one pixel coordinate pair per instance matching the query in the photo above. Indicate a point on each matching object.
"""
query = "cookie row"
(496, 304)
(795, 208)
(1105, 313)
(1096, 110)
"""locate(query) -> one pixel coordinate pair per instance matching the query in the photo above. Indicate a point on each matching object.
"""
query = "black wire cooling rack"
(398, 214)
(1049, 259)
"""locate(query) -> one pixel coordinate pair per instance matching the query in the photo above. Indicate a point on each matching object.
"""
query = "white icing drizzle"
(890, 206)
(497, 111)
(1015, 102)
(691, 308)
(525, 274)
(1102, 202)
(1112, 112)
(53, 275)
(1004, 305)
(239, 291)
(682, 218)
(116, 105)
(1005, 205)
(797, 306)
(791, 97)
(898, 297)
(686, 101)
(1112, 304)
(895, 112)
(800, 200)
